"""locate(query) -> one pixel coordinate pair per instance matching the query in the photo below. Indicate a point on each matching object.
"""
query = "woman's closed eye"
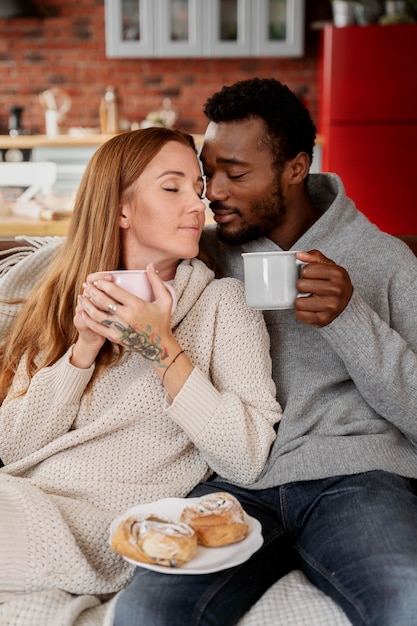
(200, 193)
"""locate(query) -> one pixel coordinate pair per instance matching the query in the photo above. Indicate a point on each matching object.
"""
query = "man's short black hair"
(289, 125)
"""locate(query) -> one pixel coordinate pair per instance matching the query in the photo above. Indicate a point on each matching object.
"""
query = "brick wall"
(66, 48)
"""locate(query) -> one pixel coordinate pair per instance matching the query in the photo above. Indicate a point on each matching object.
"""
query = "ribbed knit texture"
(76, 463)
(14, 549)
(349, 390)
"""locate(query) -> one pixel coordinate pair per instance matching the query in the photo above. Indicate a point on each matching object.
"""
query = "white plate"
(207, 560)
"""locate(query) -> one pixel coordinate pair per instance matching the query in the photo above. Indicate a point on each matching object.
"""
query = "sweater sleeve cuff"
(348, 324)
(69, 381)
(197, 391)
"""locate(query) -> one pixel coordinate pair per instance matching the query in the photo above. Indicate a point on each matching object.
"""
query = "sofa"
(292, 601)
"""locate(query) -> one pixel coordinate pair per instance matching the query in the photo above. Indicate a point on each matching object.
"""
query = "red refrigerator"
(368, 119)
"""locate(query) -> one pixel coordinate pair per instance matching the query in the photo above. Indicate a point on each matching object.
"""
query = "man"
(338, 484)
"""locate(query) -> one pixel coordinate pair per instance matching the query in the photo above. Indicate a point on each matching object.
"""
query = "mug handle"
(301, 295)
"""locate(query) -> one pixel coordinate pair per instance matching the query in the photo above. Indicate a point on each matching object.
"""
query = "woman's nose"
(199, 205)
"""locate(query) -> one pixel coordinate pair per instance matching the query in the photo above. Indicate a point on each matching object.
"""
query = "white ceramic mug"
(137, 282)
(270, 279)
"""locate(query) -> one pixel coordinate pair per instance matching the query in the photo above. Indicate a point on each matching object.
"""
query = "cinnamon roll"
(152, 539)
(217, 519)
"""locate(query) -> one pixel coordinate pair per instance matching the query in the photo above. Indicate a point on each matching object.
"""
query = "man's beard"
(267, 215)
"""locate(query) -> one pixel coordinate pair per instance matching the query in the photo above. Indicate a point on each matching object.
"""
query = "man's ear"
(298, 168)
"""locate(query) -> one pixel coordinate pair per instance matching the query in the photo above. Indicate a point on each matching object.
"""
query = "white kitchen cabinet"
(278, 28)
(227, 28)
(130, 28)
(204, 28)
(178, 28)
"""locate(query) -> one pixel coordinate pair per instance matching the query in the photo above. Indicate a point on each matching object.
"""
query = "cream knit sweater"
(72, 464)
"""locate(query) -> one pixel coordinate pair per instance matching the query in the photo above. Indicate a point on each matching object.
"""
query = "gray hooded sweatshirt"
(348, 390)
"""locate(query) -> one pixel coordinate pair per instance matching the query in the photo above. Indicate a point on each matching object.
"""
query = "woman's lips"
(194, 230)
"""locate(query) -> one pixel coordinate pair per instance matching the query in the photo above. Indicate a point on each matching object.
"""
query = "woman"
(90, 422)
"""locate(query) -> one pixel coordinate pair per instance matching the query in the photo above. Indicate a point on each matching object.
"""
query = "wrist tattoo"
(144, 342)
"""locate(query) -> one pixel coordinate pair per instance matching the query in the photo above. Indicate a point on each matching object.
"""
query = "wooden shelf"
(23, 142)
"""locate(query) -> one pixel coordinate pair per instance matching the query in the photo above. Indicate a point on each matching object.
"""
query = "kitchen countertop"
(11, 226)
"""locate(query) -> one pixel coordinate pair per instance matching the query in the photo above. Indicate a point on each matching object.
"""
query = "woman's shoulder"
(229, 293)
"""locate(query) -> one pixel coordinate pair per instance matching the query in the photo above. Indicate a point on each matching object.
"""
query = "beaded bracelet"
(172, 363)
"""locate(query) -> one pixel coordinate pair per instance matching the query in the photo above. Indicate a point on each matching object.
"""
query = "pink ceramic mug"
(136, 282)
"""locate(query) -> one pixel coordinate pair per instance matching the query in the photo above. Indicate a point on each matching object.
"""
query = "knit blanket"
(292, 601)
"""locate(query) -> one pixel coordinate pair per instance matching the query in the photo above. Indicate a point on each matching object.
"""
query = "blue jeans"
(355, 537)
